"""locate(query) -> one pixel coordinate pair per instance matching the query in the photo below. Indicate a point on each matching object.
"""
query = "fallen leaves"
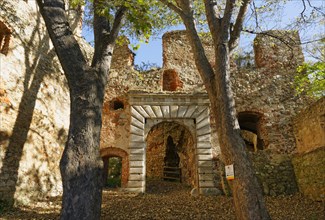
(170, 200)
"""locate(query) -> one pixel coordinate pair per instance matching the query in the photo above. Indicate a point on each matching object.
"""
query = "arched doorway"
(170, 153)
(189, 110)
(115, 161)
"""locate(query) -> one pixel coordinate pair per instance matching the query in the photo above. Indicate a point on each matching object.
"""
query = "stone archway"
(170, 153)
(148, 110)
(117, 152)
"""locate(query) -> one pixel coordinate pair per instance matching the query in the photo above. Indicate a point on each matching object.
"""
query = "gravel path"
(167, 200)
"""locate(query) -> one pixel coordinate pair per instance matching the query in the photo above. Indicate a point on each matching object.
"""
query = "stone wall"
(278, 49)
(275, 173)
(34, 106)
(309, 162)
(309, 127)
(268, 90)
(310, 172)
(264, 95)
(177, 55)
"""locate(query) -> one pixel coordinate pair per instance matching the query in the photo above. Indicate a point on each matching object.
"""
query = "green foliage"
(310, 79)
(76, 3)
(114, 172)
(144, 18)
(113, 182)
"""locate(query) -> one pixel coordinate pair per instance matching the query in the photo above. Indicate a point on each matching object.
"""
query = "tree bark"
(248, 199)
(81, 165)
(248, 196)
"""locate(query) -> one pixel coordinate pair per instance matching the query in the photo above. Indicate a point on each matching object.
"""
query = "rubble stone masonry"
(34, 106)
(309, 162)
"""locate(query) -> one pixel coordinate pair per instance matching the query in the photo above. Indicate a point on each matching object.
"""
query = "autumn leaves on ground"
(168, 200)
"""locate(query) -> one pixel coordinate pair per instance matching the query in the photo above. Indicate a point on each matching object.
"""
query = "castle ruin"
(155, 120)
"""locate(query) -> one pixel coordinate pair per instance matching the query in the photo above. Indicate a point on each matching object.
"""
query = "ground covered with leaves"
(168, 200)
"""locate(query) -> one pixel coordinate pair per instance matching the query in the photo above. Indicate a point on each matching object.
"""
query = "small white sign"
(230, 174)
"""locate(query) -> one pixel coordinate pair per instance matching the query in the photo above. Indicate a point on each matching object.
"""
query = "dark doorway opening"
(250, 125)
(170, 155)
(172, 171)
(112, 172)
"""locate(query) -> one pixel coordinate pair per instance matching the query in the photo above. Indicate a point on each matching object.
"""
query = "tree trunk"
(248, 197)
(81, 165)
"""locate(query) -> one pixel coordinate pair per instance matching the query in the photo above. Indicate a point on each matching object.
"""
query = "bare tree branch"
(235, 33)
(175, 8)
(312, 41)
(316, 8)
(256, 15)
(211, 15)
(118, 21)
(293, 43)
(305, 8)
(303, 11)
(282, 40)
(229, 10)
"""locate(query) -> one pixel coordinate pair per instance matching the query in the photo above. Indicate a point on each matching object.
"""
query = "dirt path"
(165, 200)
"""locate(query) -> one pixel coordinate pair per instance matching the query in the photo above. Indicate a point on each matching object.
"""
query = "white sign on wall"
(230, 174)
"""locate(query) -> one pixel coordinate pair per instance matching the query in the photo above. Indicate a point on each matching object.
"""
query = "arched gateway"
(192, 110)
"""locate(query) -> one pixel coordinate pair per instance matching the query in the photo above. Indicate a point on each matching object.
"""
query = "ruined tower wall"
(34, 107)
(177, 55)
(264, 94)
(268, 89)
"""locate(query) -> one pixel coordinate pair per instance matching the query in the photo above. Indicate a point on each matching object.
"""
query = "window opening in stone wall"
(250, 123)
(117, 104)
(5, 35)
(171, 81)
(112, 172)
